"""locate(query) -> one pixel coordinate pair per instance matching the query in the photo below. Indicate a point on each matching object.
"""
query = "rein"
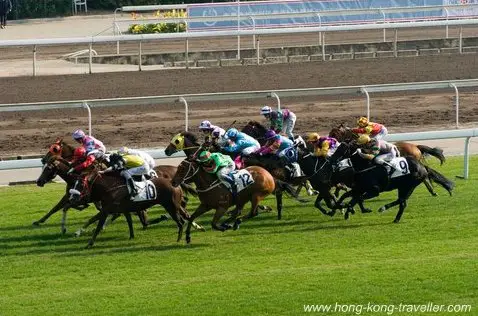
(211, 186)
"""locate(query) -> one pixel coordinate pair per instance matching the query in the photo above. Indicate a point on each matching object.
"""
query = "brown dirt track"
(140, 126)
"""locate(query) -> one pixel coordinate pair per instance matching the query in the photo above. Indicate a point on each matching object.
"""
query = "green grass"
(268, 267)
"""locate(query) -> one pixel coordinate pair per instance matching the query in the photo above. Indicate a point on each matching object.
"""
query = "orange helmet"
(363, 121)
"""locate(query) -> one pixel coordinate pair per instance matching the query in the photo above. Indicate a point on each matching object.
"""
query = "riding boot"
(132, 187)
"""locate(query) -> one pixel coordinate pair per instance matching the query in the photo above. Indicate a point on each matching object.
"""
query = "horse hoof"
(331, 213)
(225, 227)
(63, 231)
(188, 239)
(89, 245)
(237, 224)
(396, 221)
(77, 234)
(37, 223)
(346, 216)
(382, 209)
(367, 210)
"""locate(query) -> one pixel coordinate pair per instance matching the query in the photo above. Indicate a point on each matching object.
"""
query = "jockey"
(218, 137)
(280, 118)
(241, 143)
(91, 144)
(207, 128)
(374, 130)
(221, 165)
(323, 146)
(282, 148)
(275, 144)
(377, 150)
(130, 165)
(146, 157)
(81, 161)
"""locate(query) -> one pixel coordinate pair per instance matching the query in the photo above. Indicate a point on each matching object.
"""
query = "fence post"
(323, 46)
(384, 21)
(273, 94)
(395, 44)
(364, 91)
(34, 60)
(186, 111)
(461, 39)
(140, 55)
(258, 50)
(457, 104)
(90, 59)
(87, 107)
(467, 158)
(186, 52)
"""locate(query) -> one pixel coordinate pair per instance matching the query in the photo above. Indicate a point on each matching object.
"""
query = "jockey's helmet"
(79, 152)
(313, 137)
(78, 134)
(216, 132)
(363, 139)
(270, 134)
(204, 156)
(232, 133)
(265, 110)
(205, 125)
(123, 150)
(362, 122)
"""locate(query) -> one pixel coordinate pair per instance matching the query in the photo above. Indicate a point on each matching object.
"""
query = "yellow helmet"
(363, 121)
(313, 137)
(363, 139)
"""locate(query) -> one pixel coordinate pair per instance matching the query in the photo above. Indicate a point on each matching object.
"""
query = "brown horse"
(110, 189)
(418, 152)
(213, 195)
(62, 149)
(187, 142)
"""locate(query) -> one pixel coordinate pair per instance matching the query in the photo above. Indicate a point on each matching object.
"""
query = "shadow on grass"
(105, 249)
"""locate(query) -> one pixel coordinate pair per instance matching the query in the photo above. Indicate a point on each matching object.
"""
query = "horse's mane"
(193, 138)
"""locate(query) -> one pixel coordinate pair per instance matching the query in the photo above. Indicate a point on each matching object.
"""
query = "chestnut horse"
(213, 195)
(187, 142)
(418, 152)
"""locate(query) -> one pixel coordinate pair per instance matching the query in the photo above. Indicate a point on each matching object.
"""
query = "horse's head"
(343, 133)
(58, 148)
(187, 169)
(185, 141)
(255, 130)
(51, 167)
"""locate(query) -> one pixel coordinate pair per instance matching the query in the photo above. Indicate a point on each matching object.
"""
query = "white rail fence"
(277, 94)
(139, 38)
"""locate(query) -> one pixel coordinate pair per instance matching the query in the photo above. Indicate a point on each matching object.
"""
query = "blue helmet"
(232, 133)
(78, 134)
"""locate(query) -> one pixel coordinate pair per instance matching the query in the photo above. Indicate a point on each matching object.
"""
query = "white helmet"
(266, 110)
(205, 125)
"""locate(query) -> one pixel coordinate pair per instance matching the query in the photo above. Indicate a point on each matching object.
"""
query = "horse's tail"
(437, 177)
(435, 152)
(289, 189)
(188, 189)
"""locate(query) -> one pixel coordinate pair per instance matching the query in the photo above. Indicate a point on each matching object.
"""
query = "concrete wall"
(295, 54)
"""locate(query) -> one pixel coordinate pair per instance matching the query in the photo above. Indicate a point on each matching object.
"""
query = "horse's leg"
(256, 199)
(63, 220)
(403, 195)
(350, 207)
(158, 220)
(143, 218)
(279, 196)
(101, 221)
(88, 223)
(61, 204)
(217, 217)
(363, 209)
(199, 211)
(429, 187)
(129, 220)
(319, 206)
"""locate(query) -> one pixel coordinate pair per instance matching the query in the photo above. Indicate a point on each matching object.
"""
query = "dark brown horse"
(111, 190)
(62, 149)
(418, 152)
(213, 195)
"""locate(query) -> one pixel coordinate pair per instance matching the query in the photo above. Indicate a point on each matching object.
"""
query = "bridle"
(194, 172)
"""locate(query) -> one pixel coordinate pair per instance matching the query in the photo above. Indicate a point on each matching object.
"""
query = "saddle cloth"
(401, 167)
(242, 178)
(146, 191)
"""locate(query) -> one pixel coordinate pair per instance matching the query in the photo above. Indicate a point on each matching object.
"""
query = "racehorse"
(187, 142)
(111, 190)
(256, 130)
(213, 195)
(419, 152)
(62, 149)
(369, 181)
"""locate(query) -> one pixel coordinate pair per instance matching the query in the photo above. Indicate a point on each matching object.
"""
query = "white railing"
(277, 94)
(186, 36)
(159, 153)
